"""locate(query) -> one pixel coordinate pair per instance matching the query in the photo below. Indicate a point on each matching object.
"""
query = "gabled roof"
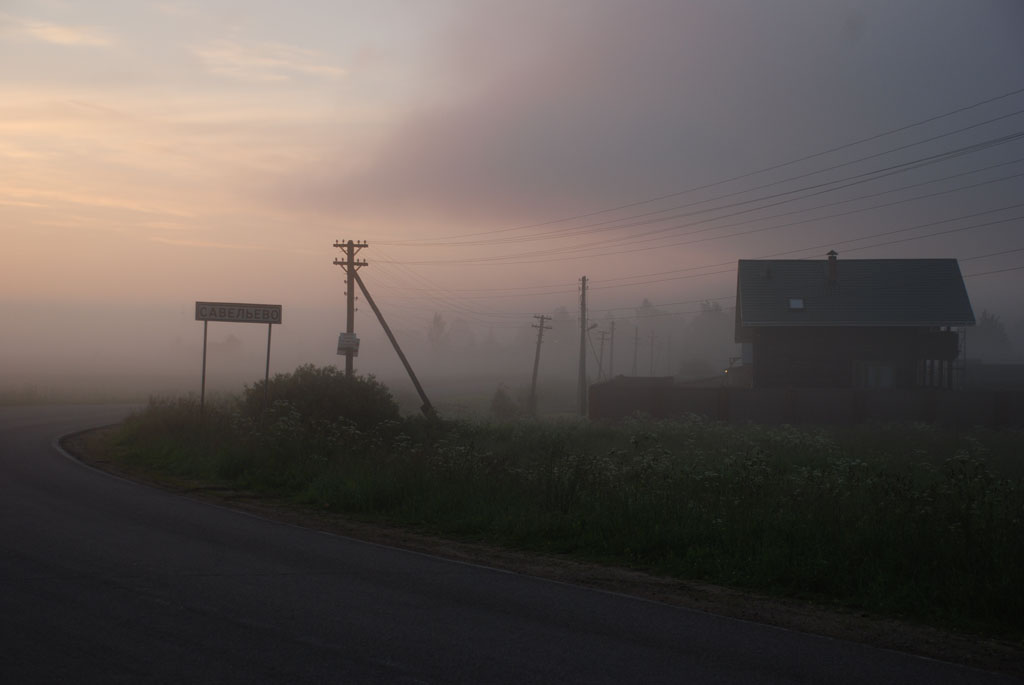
(863, 292)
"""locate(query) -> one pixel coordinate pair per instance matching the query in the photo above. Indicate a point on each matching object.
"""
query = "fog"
(490, 154)
(63, 352)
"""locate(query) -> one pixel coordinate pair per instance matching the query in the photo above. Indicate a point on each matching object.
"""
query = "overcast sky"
(158, 153)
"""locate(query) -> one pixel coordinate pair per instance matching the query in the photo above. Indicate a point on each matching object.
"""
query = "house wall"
(825, 357)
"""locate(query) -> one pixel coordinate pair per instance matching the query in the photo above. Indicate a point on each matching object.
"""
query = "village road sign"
(348, 342)
(238, 312)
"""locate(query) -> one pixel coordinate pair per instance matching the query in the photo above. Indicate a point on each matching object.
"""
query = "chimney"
(832, 254)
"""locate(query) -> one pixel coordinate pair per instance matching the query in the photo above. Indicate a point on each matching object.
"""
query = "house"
(851, 323)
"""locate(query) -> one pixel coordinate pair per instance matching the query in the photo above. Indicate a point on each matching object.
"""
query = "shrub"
(322, 395)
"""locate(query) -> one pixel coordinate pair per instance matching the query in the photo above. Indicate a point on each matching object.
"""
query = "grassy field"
(901, 520)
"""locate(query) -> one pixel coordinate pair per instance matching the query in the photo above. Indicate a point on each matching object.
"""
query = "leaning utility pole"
(350, 265)
(581, 385)
(427, 408)
(536, 361)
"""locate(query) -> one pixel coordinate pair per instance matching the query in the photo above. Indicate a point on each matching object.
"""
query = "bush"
(322, 395)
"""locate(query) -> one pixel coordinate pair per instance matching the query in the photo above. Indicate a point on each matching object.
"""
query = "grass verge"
(911, 522)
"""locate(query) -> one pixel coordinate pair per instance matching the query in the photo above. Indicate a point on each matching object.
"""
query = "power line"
(823, 246)
(992, 254)
(738, 234)
(933, 235)
(538, 290)
(741, 176)
(804, 249)
(864, 178)
(997, 271)
(818, 189)
(669, 304)
(642, 239)
(905, 187)
(569, 249)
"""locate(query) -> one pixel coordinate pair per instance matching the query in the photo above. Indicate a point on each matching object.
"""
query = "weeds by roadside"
(906, 520)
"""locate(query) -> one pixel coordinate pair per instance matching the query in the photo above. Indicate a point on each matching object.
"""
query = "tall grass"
(903, 520)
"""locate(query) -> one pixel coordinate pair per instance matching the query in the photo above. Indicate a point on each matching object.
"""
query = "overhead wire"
(756, 172)
(822, 187)
(540, 290)
(568, 250)
(731, 263)
(996, 271)
(634, 237)
(676, 273)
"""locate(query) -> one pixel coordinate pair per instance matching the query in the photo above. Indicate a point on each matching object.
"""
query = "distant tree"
(561, 314)
(231, 346)
(502, 404)
(437, 333)
(989, 340)
(460, 335)
(562, 340)
(647, 310)
(489, 347)
(708, 342)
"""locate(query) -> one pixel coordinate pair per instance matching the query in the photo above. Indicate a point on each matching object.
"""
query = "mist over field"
(68, 353)
(491, 155)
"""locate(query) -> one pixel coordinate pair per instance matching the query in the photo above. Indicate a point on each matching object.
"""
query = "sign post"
(237, 312)
(202, 387)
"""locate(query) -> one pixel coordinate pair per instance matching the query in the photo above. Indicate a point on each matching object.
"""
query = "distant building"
(889, 323)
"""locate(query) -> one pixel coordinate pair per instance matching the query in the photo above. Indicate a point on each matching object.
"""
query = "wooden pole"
(202, 386)
(581, 384)
(350, 315)
(266, 374)
(536, 363)
(427, 408)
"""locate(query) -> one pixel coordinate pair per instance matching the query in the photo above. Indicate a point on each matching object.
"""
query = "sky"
(153, 154)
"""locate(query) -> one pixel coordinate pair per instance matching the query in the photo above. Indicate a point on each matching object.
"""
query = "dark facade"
(838, 357)
(855, 323)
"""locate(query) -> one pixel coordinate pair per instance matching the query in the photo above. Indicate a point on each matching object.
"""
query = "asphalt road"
(106, 581)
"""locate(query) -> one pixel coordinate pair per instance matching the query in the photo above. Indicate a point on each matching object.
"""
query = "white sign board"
(348, 342)
(238, 312)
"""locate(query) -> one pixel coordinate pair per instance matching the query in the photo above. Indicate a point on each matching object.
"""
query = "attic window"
(796, 303)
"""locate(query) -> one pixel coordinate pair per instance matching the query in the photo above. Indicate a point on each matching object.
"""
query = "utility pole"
(636, 345)
(611, 353)
(536, 361)
(668, 356)
(350, 265)
(581, 385)
(651, 372)
(600, 356)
